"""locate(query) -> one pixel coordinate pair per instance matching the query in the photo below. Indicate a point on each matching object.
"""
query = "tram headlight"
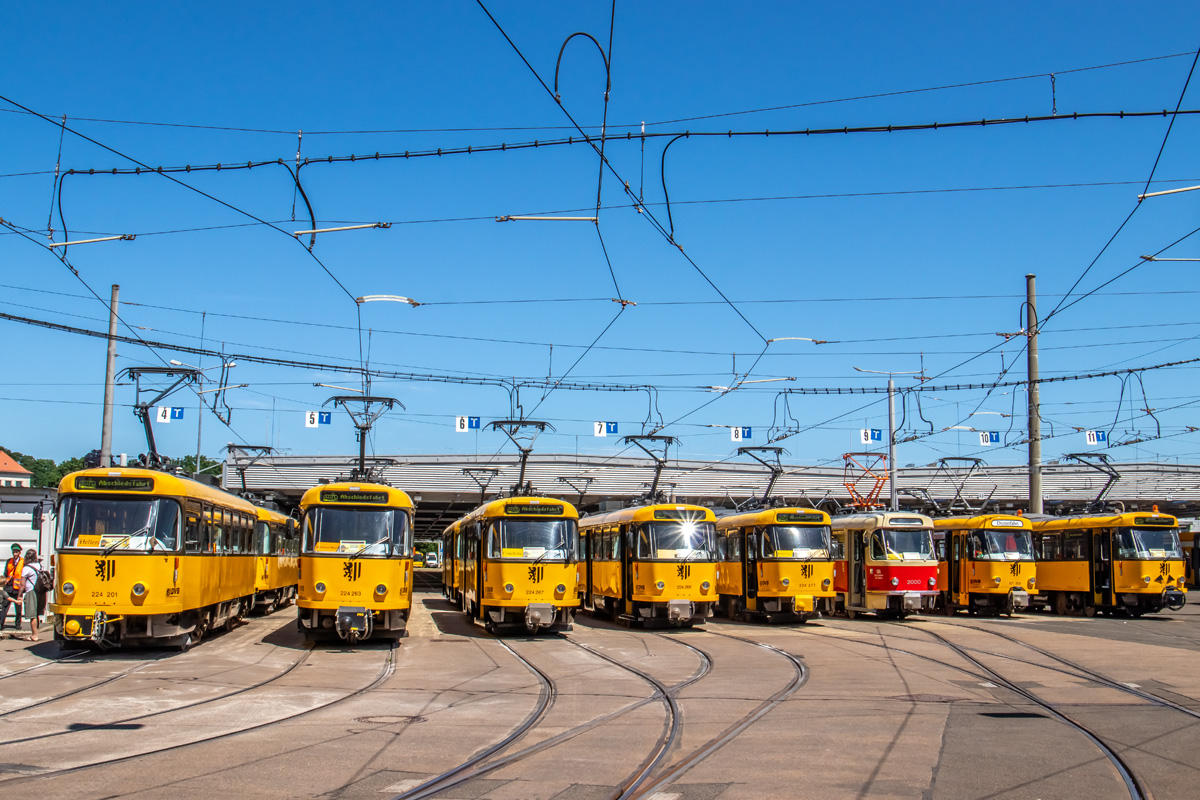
(508, 588)
(320, 587)
(704, 587)
(1032, 583)
(785, 582)
(139, 590)
(825, 583)
(895, 581)
(68, 588)
(932, 581)
(381, 589)
(997, 580)
(560, 589)
(660, 586)
(1146, 578)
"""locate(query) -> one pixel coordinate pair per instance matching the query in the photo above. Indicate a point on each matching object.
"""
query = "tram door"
(588, 540)
(626, 539)
(857, 569)
(1102, 566)
(750, 568)
(955, 566)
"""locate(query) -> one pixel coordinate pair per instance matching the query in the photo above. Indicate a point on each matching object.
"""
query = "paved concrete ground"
(865, 708)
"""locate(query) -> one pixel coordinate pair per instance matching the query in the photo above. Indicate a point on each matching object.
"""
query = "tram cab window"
(734, 545)
(263, 539)
(192, 531)
(1147, 544)
(1000, 545)
(377, 532)
(675, 540)
(119, 524)
(890, 544)
(802, 543)
(722, 546)
(939, 546)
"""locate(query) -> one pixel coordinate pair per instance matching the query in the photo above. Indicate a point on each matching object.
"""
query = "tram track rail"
(73, 692)
(162, 712)
(1133, 784)
(473, 768)
(1135, 787)
(731, 732)
(1080, 671)
(386, 671)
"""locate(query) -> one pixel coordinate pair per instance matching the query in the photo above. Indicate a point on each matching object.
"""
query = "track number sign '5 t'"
(314, 418)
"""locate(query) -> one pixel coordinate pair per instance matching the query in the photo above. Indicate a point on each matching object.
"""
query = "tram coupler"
(1174, 599)
(1018, 599)
(352, 622)
(680, 610)
(911, 601)
(540, 615)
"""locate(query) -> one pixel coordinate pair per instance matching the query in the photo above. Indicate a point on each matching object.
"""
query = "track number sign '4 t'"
(1097, 437)
(988, 438)
(739, 434)
(604, 429)
(314, 418)
(870, 435)
(165, 414)
(464, 424)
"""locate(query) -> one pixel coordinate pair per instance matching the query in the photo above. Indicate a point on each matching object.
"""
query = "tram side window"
(1074, 546)
(877, 551)
(1051, 549)
(193, 528)
(722, 546)
(837, 548)
(734, 548)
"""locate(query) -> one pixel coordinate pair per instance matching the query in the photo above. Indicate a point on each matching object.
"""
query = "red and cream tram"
(884, 563)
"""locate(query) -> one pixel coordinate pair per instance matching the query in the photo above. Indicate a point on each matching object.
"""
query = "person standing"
(11, 589)
(29, 595)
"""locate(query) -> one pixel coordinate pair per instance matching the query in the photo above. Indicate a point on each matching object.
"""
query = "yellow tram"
(512, 564)
(1129, 561)
(147, 557)
(985, 563)
(653, 564)
(277, 548)
(356, 568)
(775, 564)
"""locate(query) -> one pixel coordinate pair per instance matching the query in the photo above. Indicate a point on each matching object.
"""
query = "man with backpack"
(11, 590)
(31, 578)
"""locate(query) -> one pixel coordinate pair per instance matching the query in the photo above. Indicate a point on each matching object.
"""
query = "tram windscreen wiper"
(108, 550)
(560, 544)
(365, 548)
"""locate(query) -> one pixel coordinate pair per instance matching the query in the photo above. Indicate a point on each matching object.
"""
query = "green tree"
(208, 466)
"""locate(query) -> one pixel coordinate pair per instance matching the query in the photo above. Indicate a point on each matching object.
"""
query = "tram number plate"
(104, 598)
(349, 593)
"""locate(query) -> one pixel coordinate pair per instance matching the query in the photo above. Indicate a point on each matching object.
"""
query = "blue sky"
(903, 250)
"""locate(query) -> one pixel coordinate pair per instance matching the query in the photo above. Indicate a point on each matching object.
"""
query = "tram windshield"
(1013, 545)
(796, 543)
(540, 539)
(141, 524)
(379, 532)
(902, 545)
(682, 539)
(1147, 544)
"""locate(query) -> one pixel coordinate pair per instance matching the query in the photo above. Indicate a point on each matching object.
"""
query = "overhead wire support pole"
(1035, 422)
(109, 381)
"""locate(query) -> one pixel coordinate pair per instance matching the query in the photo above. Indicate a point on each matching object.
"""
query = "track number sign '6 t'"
(464, 424)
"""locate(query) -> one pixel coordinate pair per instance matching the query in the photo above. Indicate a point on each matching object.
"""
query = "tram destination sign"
(793, 517)
(1154, 521)
(343, 496)
(533, 510)
(678, 513)
(104, 483)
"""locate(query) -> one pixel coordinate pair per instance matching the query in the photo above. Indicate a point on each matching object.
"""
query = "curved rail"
(729, 734)
(389, 666)
(73, 692)
(461, 772)
(1132, 784)
(303, 657)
